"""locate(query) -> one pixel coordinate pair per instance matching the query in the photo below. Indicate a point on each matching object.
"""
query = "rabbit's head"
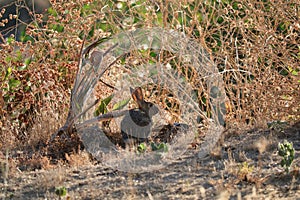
(147, 107)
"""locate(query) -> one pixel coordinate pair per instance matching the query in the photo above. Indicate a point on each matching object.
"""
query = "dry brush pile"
(255, 45)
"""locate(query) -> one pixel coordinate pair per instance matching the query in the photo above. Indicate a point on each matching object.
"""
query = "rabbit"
(137, 123)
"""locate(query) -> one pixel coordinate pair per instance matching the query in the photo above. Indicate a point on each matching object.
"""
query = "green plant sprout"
(287, 152)
(61, 191)
(141, 148)
(102, 108)
(160, 147)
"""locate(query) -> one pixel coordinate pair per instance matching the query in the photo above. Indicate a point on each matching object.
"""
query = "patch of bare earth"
(245, 167)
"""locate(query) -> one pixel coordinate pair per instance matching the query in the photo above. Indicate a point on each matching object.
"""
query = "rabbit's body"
(137, 123)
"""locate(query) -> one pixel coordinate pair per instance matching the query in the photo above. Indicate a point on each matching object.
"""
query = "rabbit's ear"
(137, 95)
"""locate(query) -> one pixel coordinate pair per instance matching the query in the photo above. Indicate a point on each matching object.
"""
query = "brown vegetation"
(255, 45)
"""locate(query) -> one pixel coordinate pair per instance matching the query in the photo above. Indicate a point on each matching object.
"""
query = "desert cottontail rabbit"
(137, 123)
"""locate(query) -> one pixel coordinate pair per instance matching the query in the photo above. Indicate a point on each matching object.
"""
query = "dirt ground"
(244, 166)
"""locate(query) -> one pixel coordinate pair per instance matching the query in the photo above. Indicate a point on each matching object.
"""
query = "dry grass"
(257, 53)
(255, 45)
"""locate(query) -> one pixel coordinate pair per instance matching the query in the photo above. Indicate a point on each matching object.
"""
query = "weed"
(244, 171)
(160, 147)
(253, 43)
(141, 148)
(61, 191)
(287, 152)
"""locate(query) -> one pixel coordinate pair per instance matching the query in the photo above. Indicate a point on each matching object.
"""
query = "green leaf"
(8, 59)
(52, 12)
(102, 108)
(105, 27)
(91, 32)
(159, 19)
(153, 146)
(8, 73)
(13, 83)
(60, 28)
(57, 27)
(19, 56)
(161, 147)
(10, 40)
(287, 152)
(295, 73)
(121, 104)
(27, 61)
(141, 148)
(282, 26)
(61, 191)
(26, 38)
(153, 54)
